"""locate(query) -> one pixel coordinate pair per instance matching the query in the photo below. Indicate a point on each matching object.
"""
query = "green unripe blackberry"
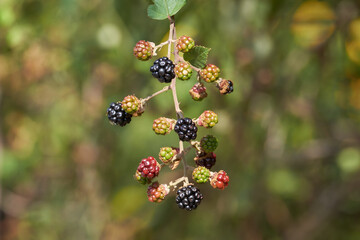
(210, 73)
(208, 119)
(208, 143)
(185, 43)
(143, 50)
(183, 70)
(130, 104)
(167, 154)
(201, 174)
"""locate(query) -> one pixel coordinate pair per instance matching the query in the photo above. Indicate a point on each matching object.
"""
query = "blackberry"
(208, 143)
(131, 104)
(206, 160)
(156, 192)
(208, 119)
(186, 129)
(162, 125)
(184, 44)
(148, 168)
(117, 115)
(225, 86)
(201, 174)
(167, 154)
(188, 197)
(163, 70)
(198, 92)
(220, 180)
(210, 73)
(143, 50)
(183, 71)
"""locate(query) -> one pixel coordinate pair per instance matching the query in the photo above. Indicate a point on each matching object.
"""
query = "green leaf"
(161, 9)
(197, 56)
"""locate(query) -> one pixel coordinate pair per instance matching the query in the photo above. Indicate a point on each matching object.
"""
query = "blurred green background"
(289, 134)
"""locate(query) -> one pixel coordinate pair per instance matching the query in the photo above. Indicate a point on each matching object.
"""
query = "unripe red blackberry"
(188, 197)
(163, 70)
(117, 115)
(140, 179)
(186, 129)
(183, 70)
(163, 126)
(198, 92)
(220, 180)
(143, 50)
(184, 44)
(225, 86)
(205, 159)
(148, 168)
(210, 73)
(208, 119)
(156, 192)
(201, 174)
(131, 104)
(208, 143)
(167, 154)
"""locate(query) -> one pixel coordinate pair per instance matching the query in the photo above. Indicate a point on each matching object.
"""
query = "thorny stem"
(158, 47)
(167, 88)
(172, 36)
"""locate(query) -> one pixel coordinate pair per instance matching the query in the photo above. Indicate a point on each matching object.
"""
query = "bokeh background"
(289, 134)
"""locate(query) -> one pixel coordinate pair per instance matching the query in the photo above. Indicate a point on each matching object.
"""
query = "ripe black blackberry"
(206, 160)
(230, 88)
(188, 197)
(117, 115)
(186, 129)
(163, 70)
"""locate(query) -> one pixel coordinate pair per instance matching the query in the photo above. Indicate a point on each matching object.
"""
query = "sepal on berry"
(131, 104)
(210, 73)
(156, 192)
(198, 92)
(143, 50)
(184, 44)
(183, 70)
(163, 126)
(201, 174)
(207, 119)
(225, 86)
(220, 180)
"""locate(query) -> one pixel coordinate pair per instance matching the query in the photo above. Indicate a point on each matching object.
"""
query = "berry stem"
(167, 88)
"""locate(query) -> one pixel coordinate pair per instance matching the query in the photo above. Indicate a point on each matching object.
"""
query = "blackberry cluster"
(117, 115)
(188, 197)
(163, 70)
(206, 160)
(143, 50)
(186, 129)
